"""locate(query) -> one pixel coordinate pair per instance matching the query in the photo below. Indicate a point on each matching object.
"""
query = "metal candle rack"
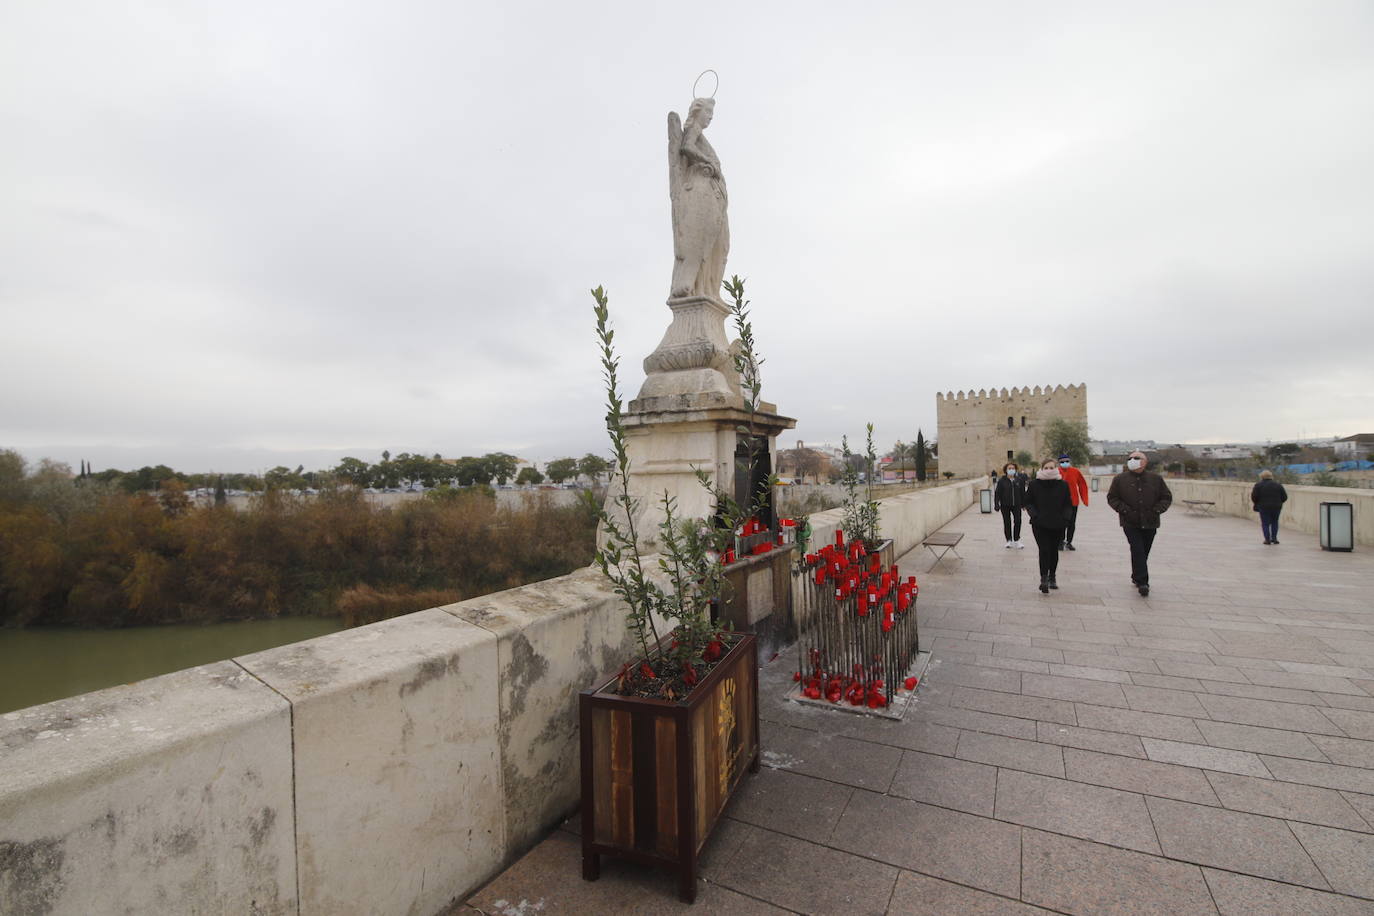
(858, 635)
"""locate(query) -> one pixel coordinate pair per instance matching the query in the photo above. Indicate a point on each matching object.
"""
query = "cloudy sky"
(234, 235)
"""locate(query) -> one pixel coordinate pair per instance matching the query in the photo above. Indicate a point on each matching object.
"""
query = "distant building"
(980, 431)
(1122, 446)
(1220, 451)
(900, 469)
(1354, 447)
(808, 464)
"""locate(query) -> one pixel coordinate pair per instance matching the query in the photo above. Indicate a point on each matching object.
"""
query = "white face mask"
(1133, 464)
(1063, 464)
(1011, 471)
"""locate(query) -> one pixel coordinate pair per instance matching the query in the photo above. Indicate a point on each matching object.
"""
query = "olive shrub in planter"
(666, 741)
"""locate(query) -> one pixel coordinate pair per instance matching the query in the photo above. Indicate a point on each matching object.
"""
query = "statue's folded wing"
(677, 176)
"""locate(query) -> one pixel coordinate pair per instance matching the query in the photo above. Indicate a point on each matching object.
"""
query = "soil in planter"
(661, 678)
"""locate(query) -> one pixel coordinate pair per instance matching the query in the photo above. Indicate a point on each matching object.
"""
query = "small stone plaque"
(760, 589)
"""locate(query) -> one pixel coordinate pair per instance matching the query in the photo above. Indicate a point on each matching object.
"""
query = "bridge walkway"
(1207, 749)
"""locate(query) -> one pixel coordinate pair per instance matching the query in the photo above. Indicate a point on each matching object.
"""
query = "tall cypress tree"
(920, 455)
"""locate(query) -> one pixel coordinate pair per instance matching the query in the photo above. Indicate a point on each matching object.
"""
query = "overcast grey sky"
(240, 234)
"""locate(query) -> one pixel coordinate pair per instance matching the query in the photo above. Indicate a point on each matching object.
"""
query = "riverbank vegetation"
(84, 552)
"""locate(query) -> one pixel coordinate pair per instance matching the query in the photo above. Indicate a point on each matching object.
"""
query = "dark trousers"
(1141, 540)
(1073, 518)
(1269, 523)
(1012, 530)
(1047, 539)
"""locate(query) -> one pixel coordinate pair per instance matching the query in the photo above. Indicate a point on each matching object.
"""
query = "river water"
(39, 665)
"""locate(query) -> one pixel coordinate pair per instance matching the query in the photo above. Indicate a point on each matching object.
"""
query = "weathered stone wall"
(973, 433)
(392, 768)
(172, 795)
(908, 518)
(1232, 497)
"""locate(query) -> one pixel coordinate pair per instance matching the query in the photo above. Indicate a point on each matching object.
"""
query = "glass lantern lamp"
(1337, 526)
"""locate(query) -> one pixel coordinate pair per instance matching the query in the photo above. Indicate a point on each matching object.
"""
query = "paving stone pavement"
(1208, 749)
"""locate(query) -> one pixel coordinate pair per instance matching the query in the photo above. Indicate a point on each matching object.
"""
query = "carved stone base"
(694, 355)
(687, 382)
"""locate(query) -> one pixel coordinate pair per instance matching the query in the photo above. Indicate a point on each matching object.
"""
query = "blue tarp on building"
(1326, 466)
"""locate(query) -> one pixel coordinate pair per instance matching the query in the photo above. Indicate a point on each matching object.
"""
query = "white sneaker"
(1020, 546)
(1009, 545)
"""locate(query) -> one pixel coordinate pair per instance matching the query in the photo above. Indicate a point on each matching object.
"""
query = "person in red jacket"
(1078, 493)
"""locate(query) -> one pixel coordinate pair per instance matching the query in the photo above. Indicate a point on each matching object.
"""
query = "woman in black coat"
(1048, 503)
(1268, 497)
(1009, 498)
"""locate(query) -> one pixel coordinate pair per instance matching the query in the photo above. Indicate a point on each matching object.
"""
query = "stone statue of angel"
(696, 187)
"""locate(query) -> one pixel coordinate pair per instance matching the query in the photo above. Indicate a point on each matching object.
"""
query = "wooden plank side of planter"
(744, 714)
(622, 776)
(601, 772)
(665, 728)
(701, 760)
(723, 731)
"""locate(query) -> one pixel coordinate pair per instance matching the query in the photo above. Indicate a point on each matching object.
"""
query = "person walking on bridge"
(1009, 498)
(1139, 497)
(1048, 504)
(1078, 493)
(1268, 497)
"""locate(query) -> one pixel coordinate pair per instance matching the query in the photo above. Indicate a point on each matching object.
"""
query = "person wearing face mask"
(1009, 497)
(1139, 498)
(1078, 493)
(1048, 504)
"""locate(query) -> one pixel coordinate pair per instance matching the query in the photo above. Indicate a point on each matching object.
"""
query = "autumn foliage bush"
(88, 554)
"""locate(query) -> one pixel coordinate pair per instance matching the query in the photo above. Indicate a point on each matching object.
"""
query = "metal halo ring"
(698, 82)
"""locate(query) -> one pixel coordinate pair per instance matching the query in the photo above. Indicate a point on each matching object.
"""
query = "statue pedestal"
(670, 437)
(693, 358)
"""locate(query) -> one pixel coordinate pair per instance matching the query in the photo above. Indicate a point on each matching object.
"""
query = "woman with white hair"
(1268, 497)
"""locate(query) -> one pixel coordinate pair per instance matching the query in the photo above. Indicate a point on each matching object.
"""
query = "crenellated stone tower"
(979, 431)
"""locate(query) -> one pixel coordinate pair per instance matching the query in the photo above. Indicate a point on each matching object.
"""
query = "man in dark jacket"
(1268, 498)
(1009, 498)
(1139, 498)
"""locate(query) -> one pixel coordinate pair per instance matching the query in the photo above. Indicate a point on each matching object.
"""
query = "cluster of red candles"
(857, 576)
(752, 528)
(872, 587)
(855, 690)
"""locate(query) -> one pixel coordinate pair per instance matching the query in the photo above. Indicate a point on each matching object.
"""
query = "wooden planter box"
(759, 598)
(656, 774)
